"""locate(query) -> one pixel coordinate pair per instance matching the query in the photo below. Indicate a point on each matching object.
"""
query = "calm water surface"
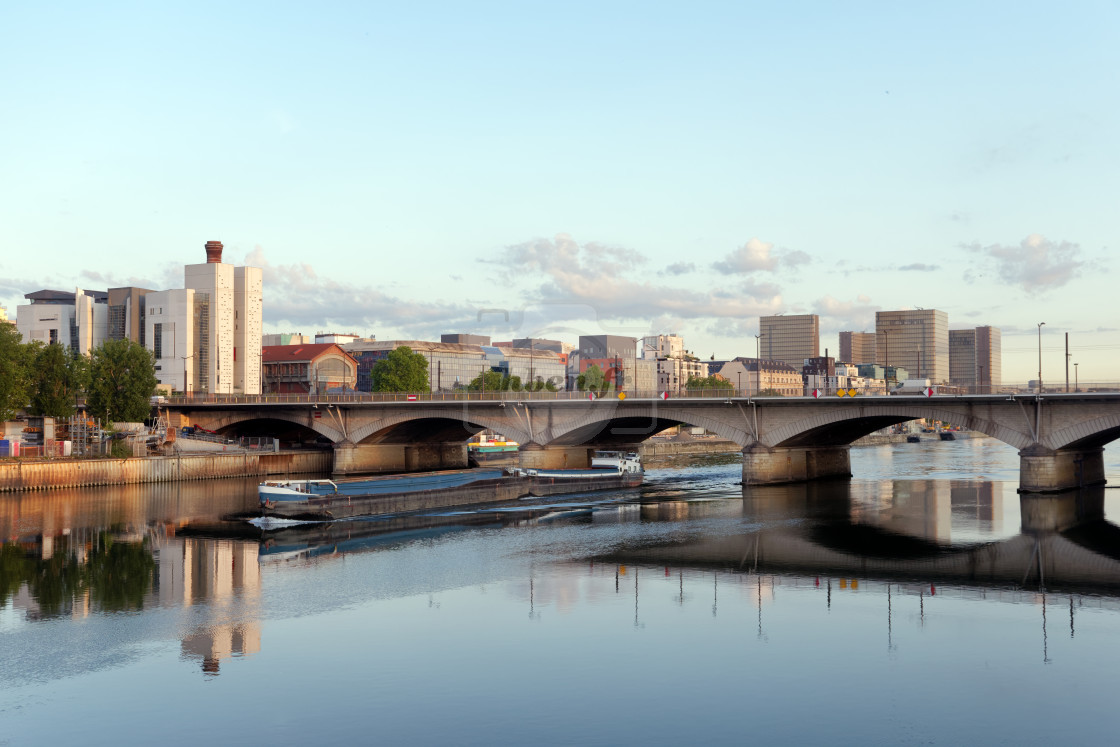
(921, 602)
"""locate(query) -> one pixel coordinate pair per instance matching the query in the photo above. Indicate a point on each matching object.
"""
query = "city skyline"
(624, 171)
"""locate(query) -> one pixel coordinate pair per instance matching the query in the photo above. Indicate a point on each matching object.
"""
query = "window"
(157, 340)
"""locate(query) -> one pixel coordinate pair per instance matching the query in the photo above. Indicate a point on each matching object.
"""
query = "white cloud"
(753, 256)
(1035, 264)
(599, 277)
(295, 294)
(837, 315)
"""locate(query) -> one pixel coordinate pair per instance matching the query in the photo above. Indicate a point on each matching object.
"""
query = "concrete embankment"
(16, 474)
(653, 449)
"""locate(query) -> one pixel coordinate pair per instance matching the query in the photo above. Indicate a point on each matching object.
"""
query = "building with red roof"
(307, 369)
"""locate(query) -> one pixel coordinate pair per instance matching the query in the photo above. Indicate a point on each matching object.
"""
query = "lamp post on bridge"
(185, 359)
(757, 363)
(1040, 325)
(1076, 386)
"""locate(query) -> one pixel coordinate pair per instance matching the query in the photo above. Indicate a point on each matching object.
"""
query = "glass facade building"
(915, 339)
(975, 358)
(791, 338)
(857, 348)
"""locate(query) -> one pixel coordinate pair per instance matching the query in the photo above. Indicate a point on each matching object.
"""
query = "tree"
(57, 380)
(492, 381)
(593, 380)
(708, 382)
(15, 372)
(401, 371)
(122, 381)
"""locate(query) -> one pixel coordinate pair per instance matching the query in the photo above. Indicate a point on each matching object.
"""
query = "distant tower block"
(214, 252)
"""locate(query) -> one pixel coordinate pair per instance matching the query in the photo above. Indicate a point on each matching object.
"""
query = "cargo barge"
(374, 496)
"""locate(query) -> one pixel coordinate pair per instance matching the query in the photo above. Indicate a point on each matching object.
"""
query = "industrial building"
(790, 338)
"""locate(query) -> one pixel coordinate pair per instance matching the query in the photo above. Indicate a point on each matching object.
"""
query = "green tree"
(57, 377)
(593, 380)
(15, 372)
(122, 381)
(492, 381)
(708, 382)
(401, 371)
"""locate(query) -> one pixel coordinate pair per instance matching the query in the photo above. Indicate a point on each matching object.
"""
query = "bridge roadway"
(1060, 437)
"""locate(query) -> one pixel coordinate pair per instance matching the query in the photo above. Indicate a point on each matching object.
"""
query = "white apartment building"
(663, 346)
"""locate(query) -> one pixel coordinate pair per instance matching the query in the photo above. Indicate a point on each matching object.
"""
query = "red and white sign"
(816, 393)
(413, 397)
(591, 395)
(929, 391)
(664, 395)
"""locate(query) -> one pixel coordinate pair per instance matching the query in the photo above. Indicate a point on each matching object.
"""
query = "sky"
(521, 169)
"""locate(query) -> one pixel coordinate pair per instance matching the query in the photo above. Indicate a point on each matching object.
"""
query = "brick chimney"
(214, 252)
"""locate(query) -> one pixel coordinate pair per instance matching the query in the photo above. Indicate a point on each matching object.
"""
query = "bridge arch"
(229, 420)
(836, 427)
(1090, 434)
(607, 426)
(432, 426)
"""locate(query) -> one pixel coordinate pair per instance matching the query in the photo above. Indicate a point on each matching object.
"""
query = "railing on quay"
(547, 396)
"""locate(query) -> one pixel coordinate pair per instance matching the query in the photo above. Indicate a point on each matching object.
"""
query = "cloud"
(679, 268)
(759, 256)
(919, 267)
(296, 295)
(837, 315)
(795, 258)
(1035, 264)
(593, 276)
(752, 256)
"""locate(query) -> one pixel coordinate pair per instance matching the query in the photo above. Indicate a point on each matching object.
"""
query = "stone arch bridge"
(1060, 437)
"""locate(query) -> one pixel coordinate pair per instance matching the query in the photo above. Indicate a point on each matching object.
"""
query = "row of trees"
(403, 370)
(116, 381)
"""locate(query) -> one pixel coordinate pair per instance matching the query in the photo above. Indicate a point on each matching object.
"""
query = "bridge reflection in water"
(1064, 541)
(904, 536)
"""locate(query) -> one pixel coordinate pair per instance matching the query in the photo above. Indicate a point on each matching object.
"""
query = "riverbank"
(18, 474)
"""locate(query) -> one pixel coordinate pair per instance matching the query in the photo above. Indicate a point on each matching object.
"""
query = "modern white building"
(171, 338)
(77, 320)
(207, 336)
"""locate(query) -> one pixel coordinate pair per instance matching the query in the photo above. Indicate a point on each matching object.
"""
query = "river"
(921, 602)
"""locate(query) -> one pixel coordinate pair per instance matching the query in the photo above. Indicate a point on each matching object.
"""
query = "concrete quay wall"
(18, 474)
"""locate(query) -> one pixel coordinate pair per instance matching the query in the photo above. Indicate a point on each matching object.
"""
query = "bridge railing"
(521, 396)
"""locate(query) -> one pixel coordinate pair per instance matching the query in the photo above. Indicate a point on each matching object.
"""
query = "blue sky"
(407, 169)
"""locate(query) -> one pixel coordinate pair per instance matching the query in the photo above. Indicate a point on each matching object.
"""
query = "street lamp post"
(1076, 385)
(185, 359)
(1040, 325)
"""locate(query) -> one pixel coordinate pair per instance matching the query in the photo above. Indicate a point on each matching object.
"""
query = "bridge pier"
(764, 465)
(1043, 470)
(351, 459)
(535, 456)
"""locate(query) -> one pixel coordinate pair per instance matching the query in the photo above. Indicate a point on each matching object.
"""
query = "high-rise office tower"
(790, 338)
(915, 339)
